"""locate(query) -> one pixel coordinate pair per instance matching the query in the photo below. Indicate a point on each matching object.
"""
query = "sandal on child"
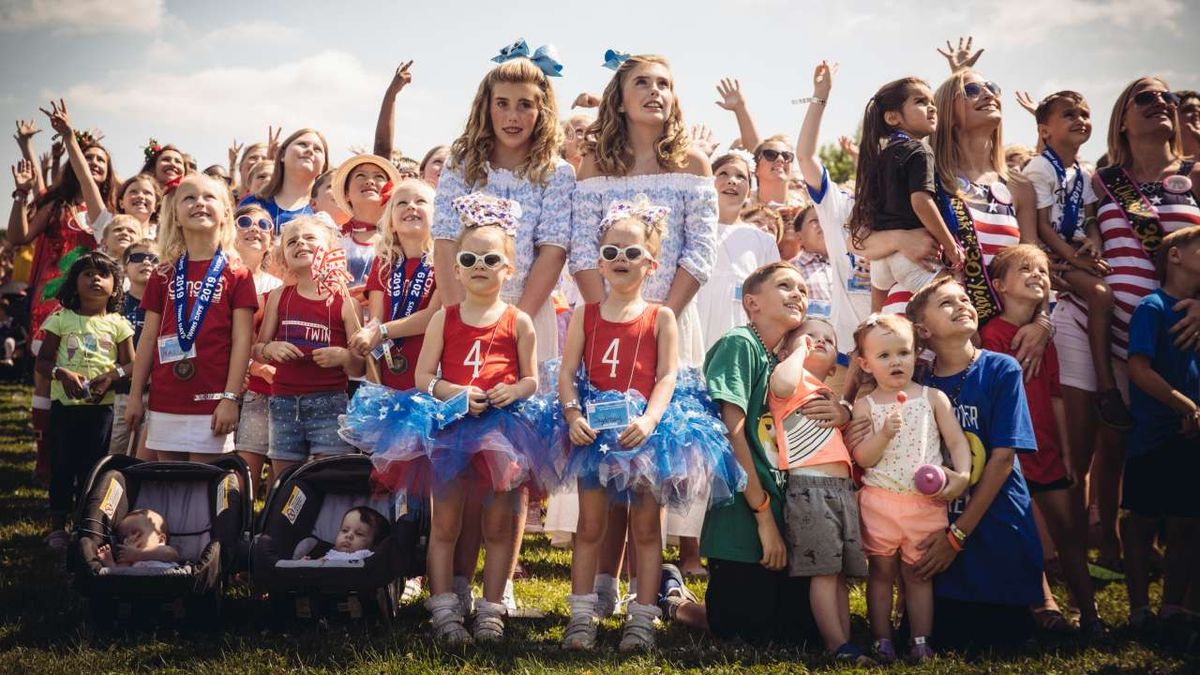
(489, 621)
(920, 650)
(1111, 408)
(447, 619)
(639, 627)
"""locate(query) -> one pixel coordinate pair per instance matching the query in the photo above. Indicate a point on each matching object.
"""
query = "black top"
(905, 167)
(136, 316)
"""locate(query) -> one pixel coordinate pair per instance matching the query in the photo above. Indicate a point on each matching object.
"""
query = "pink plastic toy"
(929, 479)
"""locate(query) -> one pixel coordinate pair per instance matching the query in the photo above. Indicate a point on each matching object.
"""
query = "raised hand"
(402, 78)
(823, 79)
(848, 146)
(730, 92)
(273, 135)
(1026, 101)
(960, 58)
(25, 131)
(586, 100)
(60, 121)
(23, 176)
(702, 138)
(235, 149)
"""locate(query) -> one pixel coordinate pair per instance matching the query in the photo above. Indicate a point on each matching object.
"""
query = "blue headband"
(545, 57)
(613, 59)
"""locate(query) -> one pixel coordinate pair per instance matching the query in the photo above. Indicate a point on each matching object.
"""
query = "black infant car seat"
(301, 518)
(206, 518)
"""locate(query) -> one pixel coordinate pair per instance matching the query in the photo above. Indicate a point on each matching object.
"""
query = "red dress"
(404, 358)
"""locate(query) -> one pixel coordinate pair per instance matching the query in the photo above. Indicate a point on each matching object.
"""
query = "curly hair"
(607, 139)
(68, 293)
(945, 139)
(472, 151)
(171, 242)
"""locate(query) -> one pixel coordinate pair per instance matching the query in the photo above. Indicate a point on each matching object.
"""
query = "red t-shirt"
(1045, 465)
(483, 356)
(214, 341)
(620, 356)
(255, 383)
(404, 358)
(310, 325)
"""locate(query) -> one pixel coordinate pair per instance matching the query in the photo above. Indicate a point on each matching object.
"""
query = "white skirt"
(168, 432)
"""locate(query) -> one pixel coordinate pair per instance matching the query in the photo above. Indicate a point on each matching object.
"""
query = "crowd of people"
(949, 374)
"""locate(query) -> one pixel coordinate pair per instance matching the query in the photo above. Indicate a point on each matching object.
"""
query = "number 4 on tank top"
(474, 359)
(610, 357)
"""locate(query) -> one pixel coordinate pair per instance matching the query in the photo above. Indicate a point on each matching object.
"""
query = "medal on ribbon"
(187, 330)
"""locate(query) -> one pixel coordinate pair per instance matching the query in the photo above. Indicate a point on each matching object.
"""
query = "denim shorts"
(307, 425)
(252, 433)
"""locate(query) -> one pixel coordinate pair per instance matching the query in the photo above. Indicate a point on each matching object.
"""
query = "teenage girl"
(304, 335)
(301, 158)
(195, 344)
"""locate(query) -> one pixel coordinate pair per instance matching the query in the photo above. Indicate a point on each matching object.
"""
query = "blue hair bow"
(613, 59)
(545, 57)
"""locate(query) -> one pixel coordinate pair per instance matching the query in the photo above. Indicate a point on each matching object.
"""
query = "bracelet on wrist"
(954, 542)
(433, 385)
(766, 503)
(809, 99)
(956, 532)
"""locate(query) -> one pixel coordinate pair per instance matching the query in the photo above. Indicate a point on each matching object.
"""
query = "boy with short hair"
(1068, 229)
(987, 565)
(1163, 451)
(1021, 278)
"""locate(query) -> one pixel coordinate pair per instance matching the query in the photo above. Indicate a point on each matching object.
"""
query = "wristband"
(954, 542)
(809, 99)
(230, 396)
(957, 533)
(120, 372)
(572, 405)
(766, 503)
(432, 384)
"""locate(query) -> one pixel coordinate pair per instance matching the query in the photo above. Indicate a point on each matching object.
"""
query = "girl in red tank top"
(479, 355)
(629, 350)
(401, 291)
(303, 334)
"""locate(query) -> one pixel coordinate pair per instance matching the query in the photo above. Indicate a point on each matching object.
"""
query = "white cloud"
(1026, 22)
(82, 16)
(254, 30)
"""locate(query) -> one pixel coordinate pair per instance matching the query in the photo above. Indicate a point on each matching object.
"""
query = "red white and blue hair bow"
(654, 216)
(479, 210)
(613, 59)
(544, 57)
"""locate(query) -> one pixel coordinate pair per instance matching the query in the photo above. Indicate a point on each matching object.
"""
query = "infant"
(143, 537)
(362, 527)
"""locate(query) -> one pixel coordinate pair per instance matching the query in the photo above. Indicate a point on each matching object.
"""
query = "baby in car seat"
(362, 527)
(143, 543)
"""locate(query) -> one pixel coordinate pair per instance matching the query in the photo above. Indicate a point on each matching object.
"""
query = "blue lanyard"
(943, 202)
(1070, 212)
(898, 137)
(416, 289)
(212, 278)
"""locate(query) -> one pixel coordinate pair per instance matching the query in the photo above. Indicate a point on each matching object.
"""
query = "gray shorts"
(253, 429)
(823, 531)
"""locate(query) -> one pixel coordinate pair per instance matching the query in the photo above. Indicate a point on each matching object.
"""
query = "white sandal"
(639, 627)
(580, 634)
(489, 621)
(447, 620)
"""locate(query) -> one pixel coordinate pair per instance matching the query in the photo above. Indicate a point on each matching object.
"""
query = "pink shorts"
(897, 521)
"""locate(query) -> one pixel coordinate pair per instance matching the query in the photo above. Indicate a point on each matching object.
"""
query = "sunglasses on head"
(138, 258)
(1145, 98)
(490, 260)
(246, 222)
(975, 89)
(609, 253)
(772, 155)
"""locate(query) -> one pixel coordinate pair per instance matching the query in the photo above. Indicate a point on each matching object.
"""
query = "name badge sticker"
(170, 351)
(608, 415)
(454, 408)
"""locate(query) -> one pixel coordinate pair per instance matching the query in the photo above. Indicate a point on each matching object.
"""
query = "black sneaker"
(671, 590)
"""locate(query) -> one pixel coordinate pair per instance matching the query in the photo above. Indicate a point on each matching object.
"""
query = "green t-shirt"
(737, 371)
(86, 345)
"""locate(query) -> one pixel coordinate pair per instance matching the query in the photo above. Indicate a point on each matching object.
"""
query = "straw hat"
(342, 173)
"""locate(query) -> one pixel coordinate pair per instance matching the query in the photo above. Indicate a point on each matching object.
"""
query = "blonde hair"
(278, 255)
(893, 323)
(1119, 152)
(170, 232)
(1015, 255)
(276, 183)
(471, 152)
(607, 139)
(510, 247)
(387, 244)
(652, 233)
(945, 138)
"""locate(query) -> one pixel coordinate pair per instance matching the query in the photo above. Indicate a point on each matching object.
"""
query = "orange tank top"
(621, 356)
(483, 356)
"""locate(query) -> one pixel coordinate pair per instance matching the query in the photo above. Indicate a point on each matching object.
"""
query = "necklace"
(770, 354)
(962, 378)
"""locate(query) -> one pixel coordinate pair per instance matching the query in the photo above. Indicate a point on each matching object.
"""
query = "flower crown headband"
(480, 210)
(655, 217)
(544, 57)
(152, 149)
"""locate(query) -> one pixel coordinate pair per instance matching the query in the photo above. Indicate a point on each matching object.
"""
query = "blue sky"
(199, 74)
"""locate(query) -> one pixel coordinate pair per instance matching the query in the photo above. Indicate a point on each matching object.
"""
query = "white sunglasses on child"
(610, 253)
(491, 260)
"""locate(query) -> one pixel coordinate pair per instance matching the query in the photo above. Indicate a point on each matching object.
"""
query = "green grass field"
(43, 630)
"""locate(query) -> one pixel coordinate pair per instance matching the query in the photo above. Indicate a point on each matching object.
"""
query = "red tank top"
(621, 356)
(308, 324)
(480, 355)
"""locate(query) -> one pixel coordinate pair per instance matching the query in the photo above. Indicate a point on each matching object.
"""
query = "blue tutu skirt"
(497, 451)
(686, 452)
(395, 429)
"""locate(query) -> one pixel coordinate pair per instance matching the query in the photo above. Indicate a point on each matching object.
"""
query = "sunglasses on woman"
(634, 253)
(491, 261)
(139, 258)
(975, 89)
(246, 222)
(772, 155)
(1145, 98)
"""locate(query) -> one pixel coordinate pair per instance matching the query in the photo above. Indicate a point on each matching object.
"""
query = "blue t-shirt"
(1156, 426)
(279, 215)
(1002, 560)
